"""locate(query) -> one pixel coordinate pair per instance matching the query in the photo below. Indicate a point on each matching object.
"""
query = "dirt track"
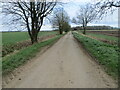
(64, 65)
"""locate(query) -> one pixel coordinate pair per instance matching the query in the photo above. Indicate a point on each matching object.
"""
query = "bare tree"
(60, 19)
(74, 20)
(30, 14)
(85, 15)
(108, 3)
(105, 6)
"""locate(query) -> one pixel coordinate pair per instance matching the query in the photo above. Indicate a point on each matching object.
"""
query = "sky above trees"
(71, 7)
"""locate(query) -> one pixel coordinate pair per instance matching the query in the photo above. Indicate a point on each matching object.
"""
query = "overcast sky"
(71, 8)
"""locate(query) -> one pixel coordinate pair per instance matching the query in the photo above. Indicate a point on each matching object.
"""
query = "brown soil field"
(109, 33)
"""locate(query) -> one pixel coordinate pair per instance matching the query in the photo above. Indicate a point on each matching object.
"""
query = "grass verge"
(106, 54)
(14, 61)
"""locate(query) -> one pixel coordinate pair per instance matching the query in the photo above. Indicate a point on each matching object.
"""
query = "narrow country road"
(64, 65)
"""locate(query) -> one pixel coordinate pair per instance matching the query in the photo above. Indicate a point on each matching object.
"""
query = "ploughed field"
(110, 37)
(106, 32)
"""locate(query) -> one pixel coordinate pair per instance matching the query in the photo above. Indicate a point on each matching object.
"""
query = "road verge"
(105, 54)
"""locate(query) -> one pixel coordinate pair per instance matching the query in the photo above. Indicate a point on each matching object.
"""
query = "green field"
(11, 40)
(14, 37)
(106, 54)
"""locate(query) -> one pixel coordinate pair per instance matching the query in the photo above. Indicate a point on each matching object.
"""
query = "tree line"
(32, 13)
(94, 28)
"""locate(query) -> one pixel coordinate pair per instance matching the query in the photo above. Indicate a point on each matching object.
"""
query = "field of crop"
(106, 54)
(14, 37)
(16, 40)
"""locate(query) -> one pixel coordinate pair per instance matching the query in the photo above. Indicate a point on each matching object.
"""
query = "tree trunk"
(84, 32)
(60, 30)
(34, 39)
